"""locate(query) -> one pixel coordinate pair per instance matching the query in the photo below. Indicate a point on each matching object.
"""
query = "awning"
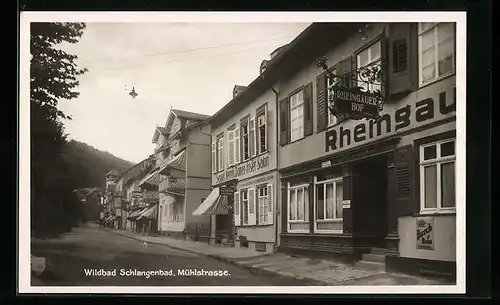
(208, 202)
(136, 213)
(177, 163)
(152, 179)
(149, 213)
(220, 207)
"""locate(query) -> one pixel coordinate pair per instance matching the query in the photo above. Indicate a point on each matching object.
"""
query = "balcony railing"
(172, 183)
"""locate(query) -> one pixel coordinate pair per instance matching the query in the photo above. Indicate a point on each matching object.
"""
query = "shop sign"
(226, 191)
(243, 169)
(409, 115)
(425, 233)
(255, 181)
(346, 204)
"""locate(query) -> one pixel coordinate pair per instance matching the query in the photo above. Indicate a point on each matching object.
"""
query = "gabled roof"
(190, 115)
(159, 131)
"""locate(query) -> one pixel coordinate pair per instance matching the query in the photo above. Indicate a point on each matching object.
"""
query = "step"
(374, 257)
(381, 251)
(369, 265)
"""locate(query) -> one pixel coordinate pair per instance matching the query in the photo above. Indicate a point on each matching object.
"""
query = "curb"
(256, 270)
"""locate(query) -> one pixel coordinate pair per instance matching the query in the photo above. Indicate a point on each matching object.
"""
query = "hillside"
(90, 164)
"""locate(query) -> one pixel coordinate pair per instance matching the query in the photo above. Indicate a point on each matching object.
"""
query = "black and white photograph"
(242, 152)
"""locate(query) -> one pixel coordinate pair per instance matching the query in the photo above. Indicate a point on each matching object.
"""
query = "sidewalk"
(312, 272)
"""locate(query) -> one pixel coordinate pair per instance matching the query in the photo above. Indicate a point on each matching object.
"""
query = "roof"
(239, 87)
(309, 44)
(190, 115)
(112, 172)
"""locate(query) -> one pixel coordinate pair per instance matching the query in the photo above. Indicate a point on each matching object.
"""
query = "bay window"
(297, 116)
(437, 176)
(436, 45)
(328, 205)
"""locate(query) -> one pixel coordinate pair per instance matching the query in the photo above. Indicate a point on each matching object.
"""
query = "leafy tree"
(53, 77)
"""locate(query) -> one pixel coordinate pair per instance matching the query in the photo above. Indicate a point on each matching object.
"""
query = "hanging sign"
(226, 191)
(425, 233)
(354, 103)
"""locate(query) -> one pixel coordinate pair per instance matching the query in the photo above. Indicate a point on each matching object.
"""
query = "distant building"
(90, 199)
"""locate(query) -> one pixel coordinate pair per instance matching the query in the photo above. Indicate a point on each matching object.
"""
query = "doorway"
(370, 200)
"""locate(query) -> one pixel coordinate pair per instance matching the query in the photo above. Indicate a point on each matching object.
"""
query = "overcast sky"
(190, 66)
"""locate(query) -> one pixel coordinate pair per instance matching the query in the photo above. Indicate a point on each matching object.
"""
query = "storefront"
(382, 187)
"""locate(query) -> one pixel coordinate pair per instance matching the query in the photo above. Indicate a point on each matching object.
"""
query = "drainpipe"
(278, 211)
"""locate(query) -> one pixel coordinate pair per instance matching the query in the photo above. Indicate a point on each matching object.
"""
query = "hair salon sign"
(243, 169)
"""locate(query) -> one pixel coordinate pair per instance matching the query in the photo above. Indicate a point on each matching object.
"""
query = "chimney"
(263, 66)
(237, 90)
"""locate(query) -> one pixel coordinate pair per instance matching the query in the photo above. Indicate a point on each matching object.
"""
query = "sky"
(188, 66)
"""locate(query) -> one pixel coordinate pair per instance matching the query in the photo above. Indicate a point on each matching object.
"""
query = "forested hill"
(90, 165)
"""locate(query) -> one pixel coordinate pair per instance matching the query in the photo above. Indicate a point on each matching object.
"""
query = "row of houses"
(285, 166)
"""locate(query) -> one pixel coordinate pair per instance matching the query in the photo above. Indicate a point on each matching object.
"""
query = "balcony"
(172, 184)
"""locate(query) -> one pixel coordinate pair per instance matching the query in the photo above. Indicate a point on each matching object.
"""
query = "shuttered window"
(262, 129)
(252, 138)
(237, 144)
(220, 152)
(237, 209)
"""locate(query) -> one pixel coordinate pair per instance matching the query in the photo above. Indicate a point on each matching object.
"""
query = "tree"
(53, 77)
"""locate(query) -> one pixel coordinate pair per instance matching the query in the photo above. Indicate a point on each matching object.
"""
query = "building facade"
(182, 150)
(354, 187)
(243, 166)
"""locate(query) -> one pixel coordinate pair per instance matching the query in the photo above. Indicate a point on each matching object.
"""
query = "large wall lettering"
(403, 117)
(243, 169)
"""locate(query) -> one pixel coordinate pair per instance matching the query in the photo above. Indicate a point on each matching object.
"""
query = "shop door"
(370, 201)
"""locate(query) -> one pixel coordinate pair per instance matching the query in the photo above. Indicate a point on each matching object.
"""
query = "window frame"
(437, 161)
(333, 181)
(245, 124)
(365, 48)
(306, 215)
(258, 131)
(294, 93)
(219, 151)
(434, 27)
(265, 207)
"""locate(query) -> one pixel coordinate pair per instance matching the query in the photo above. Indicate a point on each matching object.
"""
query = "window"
(245, 139)
(220, 152)
(214, 157)
(332, 120)
(230, 147)
(262, 201)
(262, 131)
(244, 207)
(437, 176)
(329, 196)
(252, 138)
(298, 203)
(436, 45)
(369, 57)
(297, 116)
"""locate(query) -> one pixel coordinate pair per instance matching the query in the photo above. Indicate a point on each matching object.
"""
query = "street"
(88, 249)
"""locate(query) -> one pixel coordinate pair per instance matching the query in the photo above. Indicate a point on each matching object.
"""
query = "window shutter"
(220, 153)
(237, 208)
(404, 177)
(400, 57)
(284, 121)
(322, 102)
(251, 138)
(214, 157)
(251, 207)
(237, 145)
(308, 109)
(270, 201)
(230, 146)
(344, 70)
